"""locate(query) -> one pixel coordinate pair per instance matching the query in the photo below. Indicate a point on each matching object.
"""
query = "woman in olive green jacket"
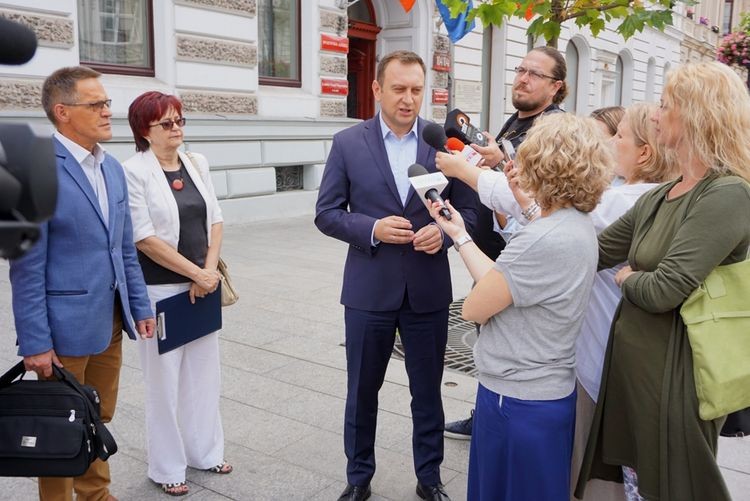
(647, 412)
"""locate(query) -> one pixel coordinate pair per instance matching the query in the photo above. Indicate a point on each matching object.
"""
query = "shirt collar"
(385, 130)
(79, 152)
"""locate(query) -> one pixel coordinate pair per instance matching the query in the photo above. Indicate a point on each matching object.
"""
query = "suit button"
(112, 250)
(112, 286)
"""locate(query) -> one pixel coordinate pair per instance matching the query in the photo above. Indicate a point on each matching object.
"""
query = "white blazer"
(153, 208)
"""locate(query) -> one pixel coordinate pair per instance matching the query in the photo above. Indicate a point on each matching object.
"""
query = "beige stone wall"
(52, 31)
(245, 7)
(220, 103)
(216, 51)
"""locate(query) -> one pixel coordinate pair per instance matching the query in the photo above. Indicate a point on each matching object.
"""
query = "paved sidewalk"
(284, 385)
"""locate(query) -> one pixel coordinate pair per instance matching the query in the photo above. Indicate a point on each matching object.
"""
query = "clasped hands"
(205, 281)
(397, 230)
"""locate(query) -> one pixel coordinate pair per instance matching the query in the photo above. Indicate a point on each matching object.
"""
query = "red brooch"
(178, 184)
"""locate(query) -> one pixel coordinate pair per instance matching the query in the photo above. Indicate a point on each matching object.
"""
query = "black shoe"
(460, 430)
(355, 493)
(432, 492)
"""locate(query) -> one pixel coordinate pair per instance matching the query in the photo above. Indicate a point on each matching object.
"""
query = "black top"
(193, 242)
(486, 238)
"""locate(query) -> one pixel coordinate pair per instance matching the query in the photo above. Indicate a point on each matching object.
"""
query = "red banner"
(333, 43)
(334, 86)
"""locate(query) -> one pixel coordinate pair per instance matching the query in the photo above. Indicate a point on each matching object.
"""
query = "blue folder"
(178, 321)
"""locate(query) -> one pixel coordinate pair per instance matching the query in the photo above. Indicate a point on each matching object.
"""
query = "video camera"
(28, 175)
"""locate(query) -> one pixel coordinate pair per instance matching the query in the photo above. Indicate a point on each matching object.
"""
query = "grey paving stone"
(256, 390)
(15, 488)
(313, 376)
(242, 356)
(316, 409)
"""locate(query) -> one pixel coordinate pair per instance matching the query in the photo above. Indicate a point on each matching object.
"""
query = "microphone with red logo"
(470, 154)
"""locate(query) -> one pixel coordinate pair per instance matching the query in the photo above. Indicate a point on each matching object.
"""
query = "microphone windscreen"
(455, 144)
(17, 43)
(417, 170)
(434, 135)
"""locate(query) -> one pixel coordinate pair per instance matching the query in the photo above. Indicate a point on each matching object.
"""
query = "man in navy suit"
(396, 275)
(81, 284)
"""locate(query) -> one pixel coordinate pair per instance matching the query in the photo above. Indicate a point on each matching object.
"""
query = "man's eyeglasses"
(521, 71)
(97, 106)
(168, 124)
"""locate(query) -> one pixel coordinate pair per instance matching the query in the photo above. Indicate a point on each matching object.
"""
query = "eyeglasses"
(168, 124)
(521, 71)
(97, 106)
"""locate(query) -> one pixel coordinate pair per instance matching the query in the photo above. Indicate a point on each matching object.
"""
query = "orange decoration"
(407, 4)
(529, 12)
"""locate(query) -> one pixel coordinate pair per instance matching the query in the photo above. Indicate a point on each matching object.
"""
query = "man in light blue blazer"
(81, 284)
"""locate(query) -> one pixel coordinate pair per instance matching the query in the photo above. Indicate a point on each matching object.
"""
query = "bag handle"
(13, 373)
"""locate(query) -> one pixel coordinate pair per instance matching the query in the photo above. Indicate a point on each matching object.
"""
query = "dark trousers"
(369, 342)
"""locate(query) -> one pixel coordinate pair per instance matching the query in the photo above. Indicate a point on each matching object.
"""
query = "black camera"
(28, 175)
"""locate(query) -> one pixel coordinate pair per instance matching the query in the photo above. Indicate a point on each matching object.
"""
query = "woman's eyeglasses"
(168, 124)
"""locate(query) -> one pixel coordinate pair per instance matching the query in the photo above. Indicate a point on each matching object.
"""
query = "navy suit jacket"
(64, 287)
(357, 189)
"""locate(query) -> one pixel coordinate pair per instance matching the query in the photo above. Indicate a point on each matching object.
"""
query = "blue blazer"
(64, 287)
(357, 189)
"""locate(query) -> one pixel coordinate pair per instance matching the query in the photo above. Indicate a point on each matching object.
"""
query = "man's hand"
(491, 154)
(428, 239)
(146, 327)
(42, 363)
(394, 230)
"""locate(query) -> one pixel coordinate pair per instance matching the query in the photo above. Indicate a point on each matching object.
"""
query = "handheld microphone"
(457, 125)
(17, 43)
(469, 153)
(434, 135)
(429, 187)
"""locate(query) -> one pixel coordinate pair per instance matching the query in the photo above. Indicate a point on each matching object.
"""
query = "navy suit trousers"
(369, 342)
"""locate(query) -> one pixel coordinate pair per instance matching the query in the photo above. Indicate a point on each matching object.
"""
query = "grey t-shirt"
(527, 351)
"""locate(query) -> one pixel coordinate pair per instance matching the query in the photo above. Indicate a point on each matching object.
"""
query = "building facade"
(266, 83)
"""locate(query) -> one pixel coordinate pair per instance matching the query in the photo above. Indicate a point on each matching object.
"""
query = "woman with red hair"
(177, 228)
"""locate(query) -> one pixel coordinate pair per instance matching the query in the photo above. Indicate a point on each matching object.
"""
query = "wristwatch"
(460, 241)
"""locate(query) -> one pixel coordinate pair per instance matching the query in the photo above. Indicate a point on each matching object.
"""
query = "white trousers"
(183, 424)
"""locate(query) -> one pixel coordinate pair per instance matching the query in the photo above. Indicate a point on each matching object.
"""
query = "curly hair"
(658, 168)
(564, 163)
(713, 106)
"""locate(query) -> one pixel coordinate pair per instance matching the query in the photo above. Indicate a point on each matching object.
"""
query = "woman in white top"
(177, 228)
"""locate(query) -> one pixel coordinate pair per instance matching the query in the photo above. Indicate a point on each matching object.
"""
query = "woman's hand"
(523, 198)
(206, 279)
(623, 274)
(453, 228)
(197, 291)
(492, 155)
(452, 165)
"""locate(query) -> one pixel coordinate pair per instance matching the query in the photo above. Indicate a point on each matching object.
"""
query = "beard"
(527, 103)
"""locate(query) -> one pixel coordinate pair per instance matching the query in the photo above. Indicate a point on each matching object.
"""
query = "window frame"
(124, 69)
(281, 81)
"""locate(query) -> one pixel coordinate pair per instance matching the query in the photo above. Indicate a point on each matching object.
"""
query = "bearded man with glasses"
(81, 285)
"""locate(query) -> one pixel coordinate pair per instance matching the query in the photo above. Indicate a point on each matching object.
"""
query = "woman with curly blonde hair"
(530, 304)
(646, 420)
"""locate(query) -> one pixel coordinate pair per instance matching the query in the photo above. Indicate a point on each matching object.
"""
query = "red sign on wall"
(441, 61)
(334, 86)
(439, 96)
(334, 43)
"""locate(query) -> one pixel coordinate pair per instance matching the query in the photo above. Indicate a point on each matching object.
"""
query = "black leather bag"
(49, 428)
(737, 424)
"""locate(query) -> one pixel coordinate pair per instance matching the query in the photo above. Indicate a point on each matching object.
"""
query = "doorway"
(363, 33)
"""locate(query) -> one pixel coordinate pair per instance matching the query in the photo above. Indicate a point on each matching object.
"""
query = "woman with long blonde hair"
(647, 413)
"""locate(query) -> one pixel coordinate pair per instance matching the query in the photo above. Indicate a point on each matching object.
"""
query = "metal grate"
(462, 335)
(289, 178)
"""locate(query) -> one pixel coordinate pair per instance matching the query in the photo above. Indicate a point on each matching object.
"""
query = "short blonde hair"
(563, 162)
(713, 106)
(609, 116)
(658, 168)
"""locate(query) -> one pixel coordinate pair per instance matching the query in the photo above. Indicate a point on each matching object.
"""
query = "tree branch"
(601, 8)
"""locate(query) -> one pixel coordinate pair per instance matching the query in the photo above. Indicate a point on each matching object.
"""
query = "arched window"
(618, 80)
(571, 60)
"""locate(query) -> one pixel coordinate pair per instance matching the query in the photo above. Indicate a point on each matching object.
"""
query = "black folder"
(178, 321)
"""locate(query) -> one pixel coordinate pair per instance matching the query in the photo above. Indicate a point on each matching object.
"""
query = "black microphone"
(428, 185)
(434, 135)
(457, 125)
(17, 43)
